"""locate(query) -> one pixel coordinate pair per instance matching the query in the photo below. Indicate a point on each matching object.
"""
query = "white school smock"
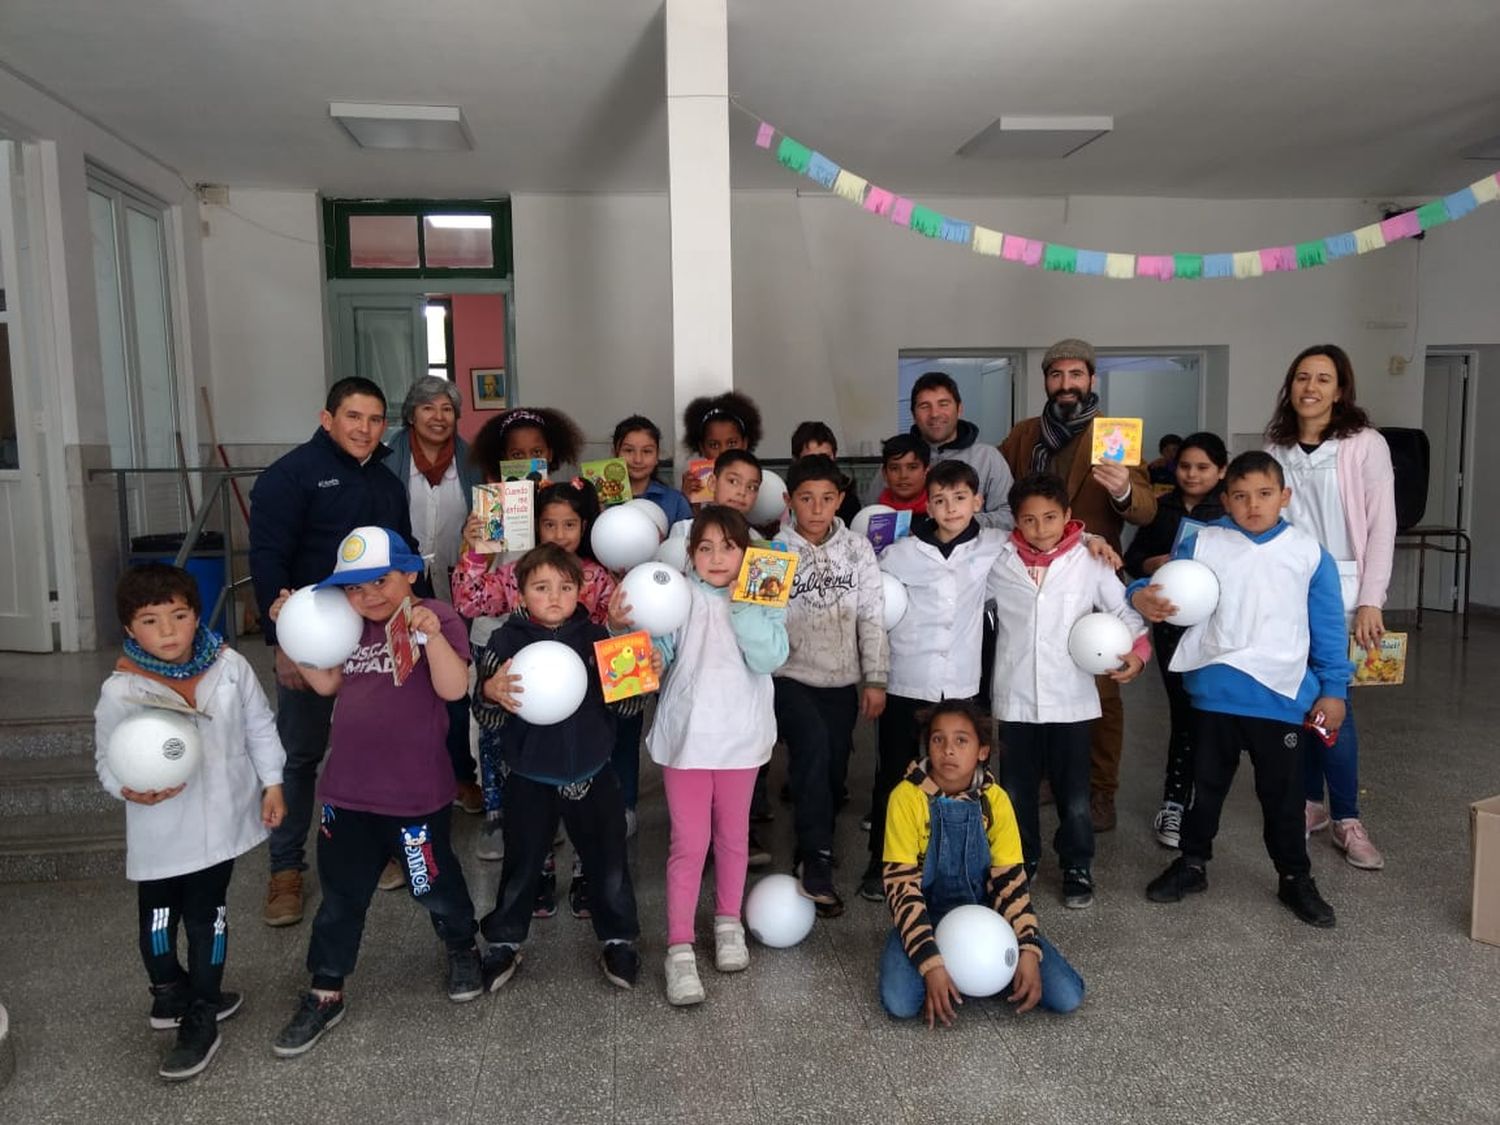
(1318, 509)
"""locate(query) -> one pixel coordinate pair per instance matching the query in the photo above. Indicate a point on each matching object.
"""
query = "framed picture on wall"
(489, 388)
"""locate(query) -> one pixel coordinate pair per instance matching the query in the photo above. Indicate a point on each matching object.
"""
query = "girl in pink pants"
(713, 730)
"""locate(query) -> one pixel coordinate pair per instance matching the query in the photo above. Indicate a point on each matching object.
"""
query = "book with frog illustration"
(625, 666)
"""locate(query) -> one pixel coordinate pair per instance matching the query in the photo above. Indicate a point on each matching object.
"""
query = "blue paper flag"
(1091, 262)
(822, 169)
(956, 230)
(1218, 265)
(1460, 203)
(1341, 245)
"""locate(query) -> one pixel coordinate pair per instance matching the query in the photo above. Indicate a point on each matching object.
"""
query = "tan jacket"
(1089, 501)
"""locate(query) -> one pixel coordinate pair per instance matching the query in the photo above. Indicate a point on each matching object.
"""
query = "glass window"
(9, 453)
(383, 242)
(984, 381)
(459, 242)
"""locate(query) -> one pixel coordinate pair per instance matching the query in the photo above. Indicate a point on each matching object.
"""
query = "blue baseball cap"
(368, 553)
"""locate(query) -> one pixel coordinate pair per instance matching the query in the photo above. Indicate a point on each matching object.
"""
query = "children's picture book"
(765, 577)
(401, 642)
(505, 512)
(1385, 667)
(1185, 531)
(886, 527)
(1117, 441)
(695, 481)
(532, 469)
(625, 666)
(610, 478)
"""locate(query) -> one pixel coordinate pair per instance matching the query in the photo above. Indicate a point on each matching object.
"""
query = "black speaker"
(1411, 459)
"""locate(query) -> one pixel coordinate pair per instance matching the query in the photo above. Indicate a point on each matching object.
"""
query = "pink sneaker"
(1316, 815)
(1350, 837)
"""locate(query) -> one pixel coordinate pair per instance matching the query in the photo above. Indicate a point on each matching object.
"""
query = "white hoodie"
(835, 621)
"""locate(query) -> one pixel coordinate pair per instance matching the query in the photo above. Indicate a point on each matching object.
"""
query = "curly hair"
(1283, 428)
(731, 406)
(562, 434)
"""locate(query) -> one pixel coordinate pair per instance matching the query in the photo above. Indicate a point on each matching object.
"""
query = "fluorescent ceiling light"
(1026, 137)
(428, 128)
(458, 222)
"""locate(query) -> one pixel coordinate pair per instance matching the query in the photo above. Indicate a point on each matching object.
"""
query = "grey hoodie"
(835, 621)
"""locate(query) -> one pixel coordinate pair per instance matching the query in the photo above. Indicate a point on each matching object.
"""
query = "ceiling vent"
(426, 128)
(1034, 138)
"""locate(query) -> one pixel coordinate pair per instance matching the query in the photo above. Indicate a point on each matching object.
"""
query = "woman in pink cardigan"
(1343, 493)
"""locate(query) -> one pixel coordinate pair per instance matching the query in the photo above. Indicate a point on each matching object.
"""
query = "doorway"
(1446, 419)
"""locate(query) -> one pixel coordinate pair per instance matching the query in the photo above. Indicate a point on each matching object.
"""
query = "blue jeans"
(955, 872)
(302, 721)
(1339, 764)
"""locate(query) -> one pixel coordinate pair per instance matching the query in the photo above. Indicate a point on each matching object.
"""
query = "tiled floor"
(1223, 1009)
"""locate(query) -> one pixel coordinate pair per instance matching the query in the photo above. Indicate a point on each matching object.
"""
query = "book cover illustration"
(1117, 441)
(506, 517)
(765, 577)
(1385, 667)
(610, 478)
(625, 666)
(533, 469)
(695, 484)
(401, 643)
(886, 527)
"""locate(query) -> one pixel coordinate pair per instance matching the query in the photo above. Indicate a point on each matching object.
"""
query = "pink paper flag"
(879, 201)
(1013, 249)
(901, 211)
(1033, 251)
(1403, 225)
(1163, 267)
(1274, 258)
(763, 135)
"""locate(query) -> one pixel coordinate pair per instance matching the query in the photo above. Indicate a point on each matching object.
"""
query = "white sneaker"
(731, 954)
(1168, 825)
(683, 985)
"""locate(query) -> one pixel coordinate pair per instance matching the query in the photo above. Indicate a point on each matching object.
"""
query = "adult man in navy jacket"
(300, 510)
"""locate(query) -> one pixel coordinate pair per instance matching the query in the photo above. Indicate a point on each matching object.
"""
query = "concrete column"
(698, 199)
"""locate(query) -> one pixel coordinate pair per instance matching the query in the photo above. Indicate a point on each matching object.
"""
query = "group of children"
(948, 825)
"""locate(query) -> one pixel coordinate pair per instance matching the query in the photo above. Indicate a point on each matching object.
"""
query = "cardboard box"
(1484, 824)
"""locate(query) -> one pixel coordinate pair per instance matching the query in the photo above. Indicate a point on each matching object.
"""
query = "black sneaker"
(578, 897)
(760, 855)
(622, 964)
(817, 882)
(465, 981)
(170, 1002)
(545, 905)
(197, 1040)
(500, 964)
(1078, 888)
(312, 1017)
(1299, 894)
(872, 885)
(1179, 879)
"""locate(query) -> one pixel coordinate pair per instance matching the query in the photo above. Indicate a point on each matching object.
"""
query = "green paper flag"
(1310, 254)
(1432, 214)
(924, 220)
(1187, 265)
(1061, 259)
(793, 154)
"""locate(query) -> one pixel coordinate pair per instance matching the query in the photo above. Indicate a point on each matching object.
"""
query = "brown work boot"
(1102, 810)
(469, 797)
(284, 899)
(392, 877)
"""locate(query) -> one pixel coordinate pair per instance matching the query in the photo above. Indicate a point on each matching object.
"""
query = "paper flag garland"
(1057, 258)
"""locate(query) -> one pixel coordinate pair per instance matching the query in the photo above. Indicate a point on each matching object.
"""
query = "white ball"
(624, 537)
(1097, 642)
(674, 552)
(1189, 585)
(979, 949)
(770, 501)
(896, 600)
(777, 913)
(553, 682)
(154, 749)
(658, 597)
(655, 511)
(860, 524)
(319, 628)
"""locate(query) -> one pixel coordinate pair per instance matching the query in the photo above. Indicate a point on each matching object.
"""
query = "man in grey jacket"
(937, 413)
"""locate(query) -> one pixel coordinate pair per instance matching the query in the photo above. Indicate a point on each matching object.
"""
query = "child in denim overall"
(951, 840)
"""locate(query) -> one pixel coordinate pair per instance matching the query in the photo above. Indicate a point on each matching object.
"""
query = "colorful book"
(532, 469)
(401, 643)
(610, 478)
(1385, 667)
(765, 577)
(1117, 441)
(695, 484)
(886, 527)
(506, 514)
(625, 666)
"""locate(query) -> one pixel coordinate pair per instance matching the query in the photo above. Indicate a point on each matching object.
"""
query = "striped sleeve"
(1010, 895)
(906, 831)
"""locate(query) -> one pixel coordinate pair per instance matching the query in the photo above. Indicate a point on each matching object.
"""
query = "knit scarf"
(206, 648)
(432, 470)
(1057, 431)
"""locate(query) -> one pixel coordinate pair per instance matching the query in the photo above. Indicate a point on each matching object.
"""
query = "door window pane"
(112, 357)
(383, 242)
(383, 349)
(9, 453)
(460, 242)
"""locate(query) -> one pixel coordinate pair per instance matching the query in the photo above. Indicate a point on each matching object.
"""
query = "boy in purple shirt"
(387, 787)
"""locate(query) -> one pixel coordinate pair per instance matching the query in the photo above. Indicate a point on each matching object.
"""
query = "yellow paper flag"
(1369, 238)
(987, 241)
(1247, 263)
(1119, 266)
(849, 186)
(1486, 190)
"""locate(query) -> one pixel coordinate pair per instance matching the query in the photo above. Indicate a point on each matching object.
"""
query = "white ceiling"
(1211, 98)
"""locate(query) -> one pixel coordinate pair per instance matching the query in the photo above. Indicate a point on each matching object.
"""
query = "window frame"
(336, 214)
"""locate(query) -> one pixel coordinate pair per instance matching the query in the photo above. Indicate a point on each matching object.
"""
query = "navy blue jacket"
(304, 504)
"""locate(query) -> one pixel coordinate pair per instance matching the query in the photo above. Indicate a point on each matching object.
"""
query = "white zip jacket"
(835, 621)
(217, 815)
(935, 647)
(1035, 680)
